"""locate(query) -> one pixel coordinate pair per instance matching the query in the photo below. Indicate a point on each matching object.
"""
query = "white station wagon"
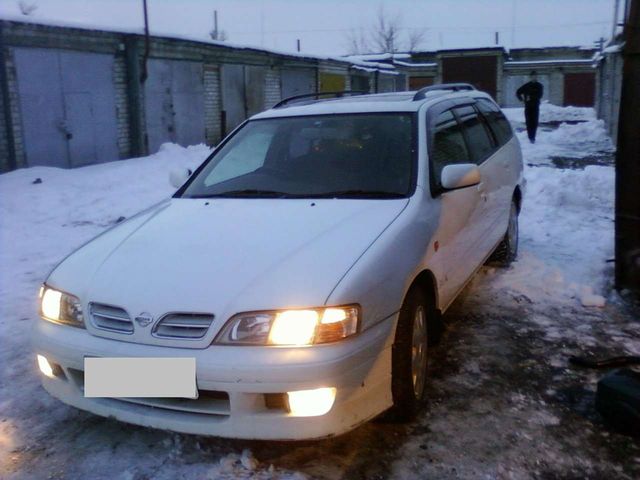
(292, 285)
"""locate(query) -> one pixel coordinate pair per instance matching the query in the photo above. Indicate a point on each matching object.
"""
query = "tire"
(507, 250)
(409, 356)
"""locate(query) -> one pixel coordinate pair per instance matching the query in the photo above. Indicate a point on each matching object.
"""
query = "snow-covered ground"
(503, 402)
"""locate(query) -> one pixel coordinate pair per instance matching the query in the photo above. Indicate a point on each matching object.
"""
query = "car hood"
(225, 256)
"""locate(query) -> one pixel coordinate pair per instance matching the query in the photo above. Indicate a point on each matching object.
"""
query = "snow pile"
(566, 223)
(553, 113)
(580, 140)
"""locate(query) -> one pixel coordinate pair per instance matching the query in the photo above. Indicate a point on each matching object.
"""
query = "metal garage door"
(242, 93)
(331, 82)
(174, 103)
(579, 89)
(480, 71)
(386, 83)
(298, 82)
(416, 83)
(360, 83)
(67, 102)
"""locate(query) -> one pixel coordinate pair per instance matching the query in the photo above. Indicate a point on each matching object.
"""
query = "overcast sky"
(323, 26)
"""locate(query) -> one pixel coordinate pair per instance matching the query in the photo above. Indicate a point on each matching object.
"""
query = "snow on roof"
(409, 64)
(548, 62)
(191, 38)
(372, 57)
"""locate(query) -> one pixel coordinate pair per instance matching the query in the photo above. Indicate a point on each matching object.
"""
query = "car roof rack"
(456, 87)
(315, 95)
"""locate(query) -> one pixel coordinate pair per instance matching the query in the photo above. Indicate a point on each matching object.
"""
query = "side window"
(497, 121)
(480, 142)
(447, 147)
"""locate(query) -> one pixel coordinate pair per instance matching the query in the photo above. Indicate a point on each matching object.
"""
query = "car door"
(483, 150)
(457, 233)
(505, 165)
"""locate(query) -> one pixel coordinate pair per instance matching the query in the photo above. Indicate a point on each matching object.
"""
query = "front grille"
(208, 402)
(108, 317)
(183, 325)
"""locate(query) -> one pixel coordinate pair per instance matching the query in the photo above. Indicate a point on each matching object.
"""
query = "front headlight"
(291, 327)
(60, 307)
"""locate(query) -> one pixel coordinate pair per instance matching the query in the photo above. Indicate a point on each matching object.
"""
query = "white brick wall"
(212, 104)
(272, 91)
(122, 106)
(14, 106)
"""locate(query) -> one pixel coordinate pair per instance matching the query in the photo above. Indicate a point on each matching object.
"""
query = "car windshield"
(357, 156)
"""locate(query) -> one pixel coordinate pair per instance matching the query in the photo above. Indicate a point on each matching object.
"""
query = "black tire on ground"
(407, 389)
(507, 250)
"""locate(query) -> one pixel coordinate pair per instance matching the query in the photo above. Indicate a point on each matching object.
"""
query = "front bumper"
(234, 381)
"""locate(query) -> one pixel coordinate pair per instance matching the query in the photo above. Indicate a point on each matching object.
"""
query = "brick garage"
(107, 113)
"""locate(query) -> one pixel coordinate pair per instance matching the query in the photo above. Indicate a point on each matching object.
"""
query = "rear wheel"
(507, 251)
(409, 356)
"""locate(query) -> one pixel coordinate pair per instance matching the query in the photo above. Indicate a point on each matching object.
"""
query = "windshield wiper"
(360, 194)
(247, 192)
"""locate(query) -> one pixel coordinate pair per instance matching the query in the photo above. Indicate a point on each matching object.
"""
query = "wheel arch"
(517, 196)
(426, 282)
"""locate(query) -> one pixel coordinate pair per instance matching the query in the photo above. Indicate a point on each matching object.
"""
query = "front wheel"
(507, 250)
(409, 357)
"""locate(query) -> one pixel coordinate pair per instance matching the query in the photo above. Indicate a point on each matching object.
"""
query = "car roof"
(370, 103)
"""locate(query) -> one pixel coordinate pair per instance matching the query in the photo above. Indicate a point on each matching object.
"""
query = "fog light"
(311, 403)
(45, 366)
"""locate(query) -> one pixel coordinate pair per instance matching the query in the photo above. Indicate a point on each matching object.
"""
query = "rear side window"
(479, 139)
(448, 147)
(497, 121)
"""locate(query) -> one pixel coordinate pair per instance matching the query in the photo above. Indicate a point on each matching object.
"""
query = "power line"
(438, 29)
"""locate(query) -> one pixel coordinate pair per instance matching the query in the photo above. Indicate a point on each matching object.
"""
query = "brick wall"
(14, 108)
(4, 141)
(122, 105)
(272, 91)
(212, 103)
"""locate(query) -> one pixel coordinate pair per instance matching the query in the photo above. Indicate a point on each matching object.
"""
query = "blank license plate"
(140, 377)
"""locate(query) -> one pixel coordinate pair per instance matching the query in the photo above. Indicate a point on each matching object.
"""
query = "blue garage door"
(67, 103)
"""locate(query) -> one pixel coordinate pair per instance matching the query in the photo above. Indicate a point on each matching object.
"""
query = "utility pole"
(298, 44)
(497, 38)
(144, 73)
(627, 215)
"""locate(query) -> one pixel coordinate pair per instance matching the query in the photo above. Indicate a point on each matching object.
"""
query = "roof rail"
(340, 93)
(456, 87)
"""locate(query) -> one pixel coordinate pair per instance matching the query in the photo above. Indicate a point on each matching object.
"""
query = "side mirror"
(460, 175)
(179, 176)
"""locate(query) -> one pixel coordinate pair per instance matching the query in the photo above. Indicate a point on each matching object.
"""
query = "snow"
(575, 61)
(499, 384)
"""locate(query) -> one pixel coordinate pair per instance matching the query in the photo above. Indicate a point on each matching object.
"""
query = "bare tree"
(415, 38)
(27, 8)
(386, 35)
(357, 42)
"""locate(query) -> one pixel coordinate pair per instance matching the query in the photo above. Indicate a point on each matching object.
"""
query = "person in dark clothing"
(531, 93)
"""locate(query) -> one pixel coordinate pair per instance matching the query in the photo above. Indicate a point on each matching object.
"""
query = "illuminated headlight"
(291, 327)
(60, 307)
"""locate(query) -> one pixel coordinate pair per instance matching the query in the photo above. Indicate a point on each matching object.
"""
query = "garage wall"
(272, 91)
(212, 104)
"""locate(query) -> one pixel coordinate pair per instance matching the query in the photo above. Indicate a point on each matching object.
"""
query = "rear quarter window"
(496, 119)
(478, 138)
